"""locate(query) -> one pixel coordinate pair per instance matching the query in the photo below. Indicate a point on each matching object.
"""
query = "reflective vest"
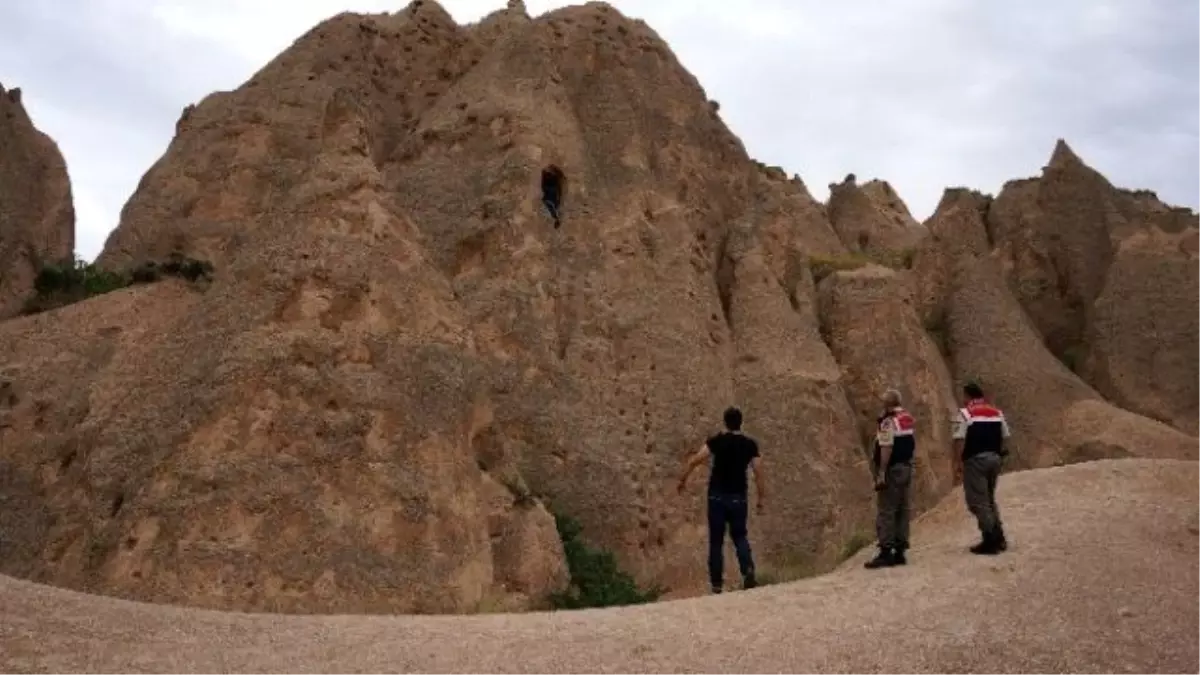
(898, 426)
(985, 428)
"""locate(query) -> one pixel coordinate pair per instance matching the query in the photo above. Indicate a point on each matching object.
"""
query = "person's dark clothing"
(552, 194)
(728, 511)
(896, 428)
(732, 453)
(892, 508)
(983, 430)
(981, 471)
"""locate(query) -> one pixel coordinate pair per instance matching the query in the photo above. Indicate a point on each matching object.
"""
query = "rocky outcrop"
(37, 218)
(1059, 237)
(395, 327)
(403, 366)
(989, 338)
(872, 218)
(870, 321)
(1141, 344)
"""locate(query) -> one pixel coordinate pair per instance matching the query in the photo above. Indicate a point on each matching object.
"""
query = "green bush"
(69, 281)
(596, 580)
(76, 276)
(176, 266)
(1072, 357)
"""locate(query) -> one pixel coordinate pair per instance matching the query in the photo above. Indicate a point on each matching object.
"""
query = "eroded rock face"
(1143, 336)
(37, 218)
(990, 338)
(402, 366)
(872, 218)
(871, 323)
(1070, 243)
(395, 328)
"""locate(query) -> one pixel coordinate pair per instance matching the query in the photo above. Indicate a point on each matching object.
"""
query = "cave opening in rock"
(554, 185)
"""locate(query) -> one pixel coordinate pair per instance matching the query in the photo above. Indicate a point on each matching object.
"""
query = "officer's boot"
(989, 546)
(885, 558)
(898, 554)
(1001, 541)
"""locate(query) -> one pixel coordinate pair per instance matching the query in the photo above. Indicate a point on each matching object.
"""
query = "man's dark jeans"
(727, 510)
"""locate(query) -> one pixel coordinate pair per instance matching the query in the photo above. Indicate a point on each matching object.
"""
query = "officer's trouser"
(891, 521)
(980, 473)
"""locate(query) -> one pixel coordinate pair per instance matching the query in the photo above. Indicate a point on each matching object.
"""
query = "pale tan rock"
(871, 324)
(1082, 257)
(395, 326)
(990, 338)
(1035, 608)
(37, 217)
(401, 362)
(1142, 342)
(872, 218)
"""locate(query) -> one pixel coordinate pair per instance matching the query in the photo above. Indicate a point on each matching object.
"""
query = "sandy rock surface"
(1101, 576)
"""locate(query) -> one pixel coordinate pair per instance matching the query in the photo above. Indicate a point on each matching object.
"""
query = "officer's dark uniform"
(983, 429)
(896, 428)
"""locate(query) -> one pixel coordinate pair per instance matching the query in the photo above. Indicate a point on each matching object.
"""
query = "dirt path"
(1101, 576)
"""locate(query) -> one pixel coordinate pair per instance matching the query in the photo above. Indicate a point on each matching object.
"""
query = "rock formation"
(37, 219)
(403, 365)
(871, 322)
(1062, 241)
(872, 218)
(401, 362)
(966, 303)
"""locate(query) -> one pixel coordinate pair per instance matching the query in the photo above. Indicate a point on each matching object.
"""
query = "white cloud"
(924, 93)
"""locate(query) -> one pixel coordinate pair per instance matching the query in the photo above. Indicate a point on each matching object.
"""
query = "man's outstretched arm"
(700, 457)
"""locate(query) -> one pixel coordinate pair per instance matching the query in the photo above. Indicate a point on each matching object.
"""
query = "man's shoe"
(898, 557)
(716, 590)
(885, 558)
(749, 582)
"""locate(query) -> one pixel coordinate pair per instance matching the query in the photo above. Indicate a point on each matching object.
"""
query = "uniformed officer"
(891, 465)
(979, 437)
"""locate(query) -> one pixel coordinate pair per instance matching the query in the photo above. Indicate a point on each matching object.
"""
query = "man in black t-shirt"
(731, 453)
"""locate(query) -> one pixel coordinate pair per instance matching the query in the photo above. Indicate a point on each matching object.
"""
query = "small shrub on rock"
(69, 281)
(596, 580)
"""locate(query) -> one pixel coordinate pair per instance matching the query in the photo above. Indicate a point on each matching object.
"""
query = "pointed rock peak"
(429, 8)
(848, 185)
(12, 96)
(10, 104)
(1063, 156)
(517, 6)
(954, 197)
(882, 191)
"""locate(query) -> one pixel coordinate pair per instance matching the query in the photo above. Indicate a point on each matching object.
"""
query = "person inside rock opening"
(732, 453)
(552, 189)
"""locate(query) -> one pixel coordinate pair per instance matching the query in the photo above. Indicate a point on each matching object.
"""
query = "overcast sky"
(924, 93)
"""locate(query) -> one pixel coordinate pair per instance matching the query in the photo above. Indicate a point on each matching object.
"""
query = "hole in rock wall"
(554, 185)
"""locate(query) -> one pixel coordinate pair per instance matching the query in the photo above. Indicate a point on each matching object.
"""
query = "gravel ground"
(1101, 576)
